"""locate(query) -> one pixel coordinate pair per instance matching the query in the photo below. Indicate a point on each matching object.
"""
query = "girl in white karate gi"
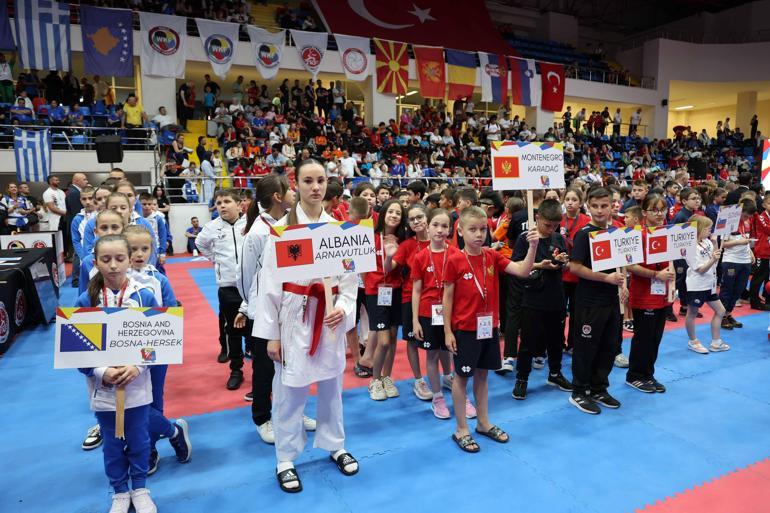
(286, 317)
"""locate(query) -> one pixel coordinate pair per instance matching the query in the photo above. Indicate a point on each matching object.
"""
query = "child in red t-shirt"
(471, 320)
(648, 299)
(428, 271)
(574, 221)
(383, 298)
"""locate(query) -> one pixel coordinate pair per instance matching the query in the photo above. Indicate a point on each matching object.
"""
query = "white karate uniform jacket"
(254, 245)
(279, 316)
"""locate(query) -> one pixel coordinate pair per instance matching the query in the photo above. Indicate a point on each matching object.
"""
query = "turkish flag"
(505, 167)
(658, 244)
(392, 67)
(552, 80)
(601, 250)
(294, 252)
(431, 71)
(462, 25)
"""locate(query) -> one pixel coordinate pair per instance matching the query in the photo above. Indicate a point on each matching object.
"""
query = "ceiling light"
(684, 107)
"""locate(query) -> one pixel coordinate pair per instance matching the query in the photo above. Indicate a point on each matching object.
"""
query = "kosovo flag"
(108, 41)
(83, 337)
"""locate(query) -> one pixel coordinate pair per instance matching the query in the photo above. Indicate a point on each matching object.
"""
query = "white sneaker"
(447, 380)
(621, 361)
(266, 433)
(538, 362)
(376, 390)
(308, 423)
(195, 252)
(421, 390)
(390, 388)
(695, 345)
(506, 367)
(121, 502)
(142, 502)
(718, 346)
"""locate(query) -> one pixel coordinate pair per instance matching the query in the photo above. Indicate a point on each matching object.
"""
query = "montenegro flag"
(392, 67)
(505, 167)
(430, 70)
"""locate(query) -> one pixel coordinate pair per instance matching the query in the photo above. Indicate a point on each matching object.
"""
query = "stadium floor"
(702, 446)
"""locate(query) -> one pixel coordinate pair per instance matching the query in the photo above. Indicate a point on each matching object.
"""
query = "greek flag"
(43, 34)
(32, 149)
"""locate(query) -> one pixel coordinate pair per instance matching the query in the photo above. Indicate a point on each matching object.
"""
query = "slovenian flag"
(494, 77)
(525, 85)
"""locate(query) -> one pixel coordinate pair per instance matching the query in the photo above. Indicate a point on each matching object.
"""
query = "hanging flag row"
(108, 48)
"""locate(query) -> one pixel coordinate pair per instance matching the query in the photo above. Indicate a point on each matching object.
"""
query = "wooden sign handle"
(530, 210)
(670, 285)
(120, 413)
(328, 295)
(622, 271)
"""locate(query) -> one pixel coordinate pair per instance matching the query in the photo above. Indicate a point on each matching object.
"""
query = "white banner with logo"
(671, 242)
(219, 41)
(164, 40)
(311, 47)
(108, 337)
(267, 49)
(616, 247)
(29, 240)
(355, 56)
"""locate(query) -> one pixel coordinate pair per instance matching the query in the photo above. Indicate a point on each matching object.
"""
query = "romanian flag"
(392, 67)
(461, 73)
(430, 70)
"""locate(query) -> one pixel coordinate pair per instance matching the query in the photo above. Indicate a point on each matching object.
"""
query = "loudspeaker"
(109, 149)
(664, 102)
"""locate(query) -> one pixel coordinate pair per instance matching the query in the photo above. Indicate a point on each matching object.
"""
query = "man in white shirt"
(617, 120)
(636, 119)
(349, 166)
(55, 202)
(164, 120)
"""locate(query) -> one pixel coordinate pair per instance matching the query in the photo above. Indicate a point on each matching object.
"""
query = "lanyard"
(120, 296)
(570, 228)
(266, 222)
(439, 284)
(483, 291)
(382, 260)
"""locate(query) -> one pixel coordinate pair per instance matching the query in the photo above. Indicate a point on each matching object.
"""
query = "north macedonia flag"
(392, 66)
(505, 167)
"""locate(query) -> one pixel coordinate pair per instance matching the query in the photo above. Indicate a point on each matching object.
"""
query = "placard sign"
(28, 240)
(616, 247)
(518, 165)
(112, 337)
(765, 169)
(728, 220)
(671, 242)
(320, 250)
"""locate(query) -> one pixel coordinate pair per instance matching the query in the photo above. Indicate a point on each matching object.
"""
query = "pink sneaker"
(470, 410)
(439, 408)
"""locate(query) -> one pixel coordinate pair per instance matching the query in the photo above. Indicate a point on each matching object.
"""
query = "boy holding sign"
(597, 313)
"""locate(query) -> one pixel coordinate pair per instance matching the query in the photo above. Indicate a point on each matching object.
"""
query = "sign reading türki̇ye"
(616, 247)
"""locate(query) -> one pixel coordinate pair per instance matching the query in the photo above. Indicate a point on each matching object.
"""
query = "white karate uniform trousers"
(288, 407)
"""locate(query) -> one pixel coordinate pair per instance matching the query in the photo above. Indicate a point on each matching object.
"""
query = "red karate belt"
(315, 290)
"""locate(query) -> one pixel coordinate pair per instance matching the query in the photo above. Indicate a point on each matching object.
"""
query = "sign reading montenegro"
(318, 250)
(518, 165)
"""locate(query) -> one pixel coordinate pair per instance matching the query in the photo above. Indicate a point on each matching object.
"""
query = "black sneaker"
(520, 390)
(93, 439)
(235, 380)
(659, 387)
(726, 324)
(181, 442)
(154, 459)
(248, 397)
(585, 404)
(764, 307)
(628, 326)
(670, 317)
(247, 355)
(560, 382)
(643, 386)
(682, 312)
(222, 357)
(735, 323)
(605, 399)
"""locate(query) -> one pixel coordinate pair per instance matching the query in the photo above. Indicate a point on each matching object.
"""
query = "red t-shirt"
(468, 301)
(374, 279)
(618, 223)
(639, 296)
(430, 268)
(404, 257)
(569, 227)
